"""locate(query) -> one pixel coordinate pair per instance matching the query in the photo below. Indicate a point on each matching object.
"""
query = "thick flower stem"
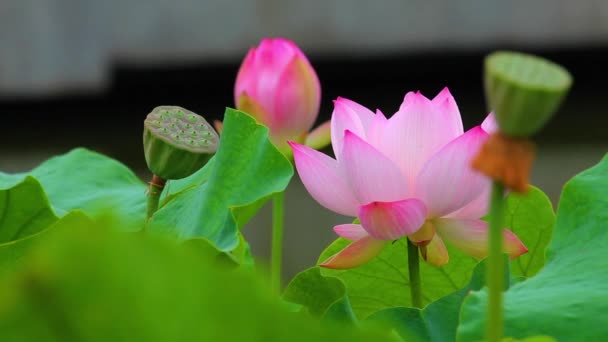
(413, 264)
(495, 265)
(154, 190)
(277, 240)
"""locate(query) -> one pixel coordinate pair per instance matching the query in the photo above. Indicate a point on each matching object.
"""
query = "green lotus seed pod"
(177, 142)
(523, 90)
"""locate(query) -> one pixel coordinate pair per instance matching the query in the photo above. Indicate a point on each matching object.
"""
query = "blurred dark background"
(86, 73)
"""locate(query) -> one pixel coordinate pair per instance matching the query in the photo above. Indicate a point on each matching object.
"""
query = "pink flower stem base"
(413, 263)
(495, 266)
(277, 241)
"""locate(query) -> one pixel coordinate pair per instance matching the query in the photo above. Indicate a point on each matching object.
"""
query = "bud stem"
(277, 240)
(413, 263)
(495, 267)
(154, 190)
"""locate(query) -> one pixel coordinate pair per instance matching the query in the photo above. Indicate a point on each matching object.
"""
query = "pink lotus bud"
(277, 85)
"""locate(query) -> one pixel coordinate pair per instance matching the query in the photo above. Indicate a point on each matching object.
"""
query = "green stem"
(277, 240)
(154, 190)
(495, 265)
(413, 264)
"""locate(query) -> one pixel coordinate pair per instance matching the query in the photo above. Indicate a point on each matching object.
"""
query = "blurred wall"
(58, 46)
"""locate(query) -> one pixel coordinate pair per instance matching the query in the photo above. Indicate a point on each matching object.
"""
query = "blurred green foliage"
(86, 282)
(24, 211)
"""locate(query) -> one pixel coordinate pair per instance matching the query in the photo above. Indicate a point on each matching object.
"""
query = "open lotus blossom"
(404, 176)
(277, 85)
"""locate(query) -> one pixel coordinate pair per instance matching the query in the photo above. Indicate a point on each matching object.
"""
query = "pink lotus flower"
(404, 176)
(277, 85)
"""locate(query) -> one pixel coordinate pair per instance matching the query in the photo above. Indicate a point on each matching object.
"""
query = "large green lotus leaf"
(96, 285)
(383, 283)
(92, 182)
(24, 210)
(175, 188)
(240, 256)
(531, 217)
(438, 321)
(246, 169)
(568, 298)
(323, 297)
(25, 214)
(242, 253)
(11, 253)
(178, 186)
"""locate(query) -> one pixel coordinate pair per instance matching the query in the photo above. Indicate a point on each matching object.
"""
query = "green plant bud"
(177, 142)
(523, 90)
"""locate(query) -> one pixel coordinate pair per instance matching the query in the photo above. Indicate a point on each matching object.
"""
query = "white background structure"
(55, 46)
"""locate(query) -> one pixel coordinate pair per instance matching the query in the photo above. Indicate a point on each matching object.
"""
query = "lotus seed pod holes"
(182, 128)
